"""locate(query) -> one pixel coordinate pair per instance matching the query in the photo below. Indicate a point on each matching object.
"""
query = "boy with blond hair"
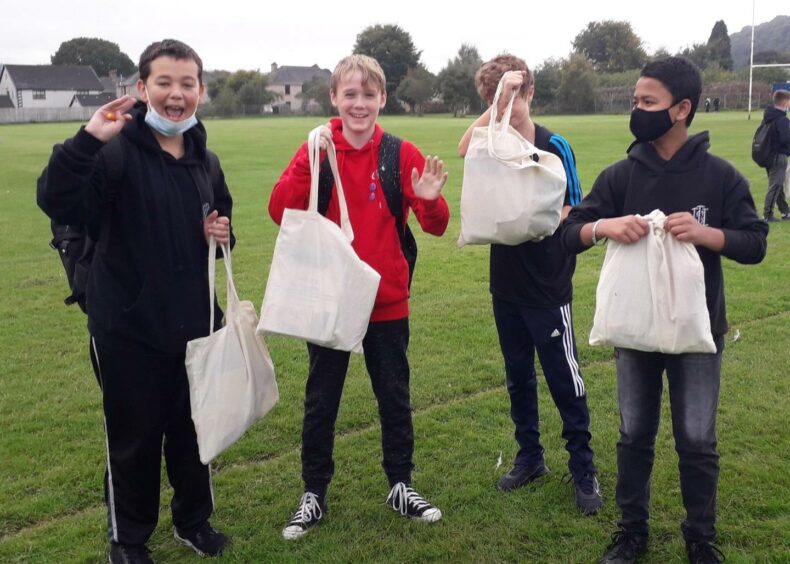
(531, 294)
(381, 236)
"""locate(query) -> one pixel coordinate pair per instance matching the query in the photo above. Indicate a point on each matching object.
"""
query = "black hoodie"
(781, 136)
(693, 180)
(148, 283)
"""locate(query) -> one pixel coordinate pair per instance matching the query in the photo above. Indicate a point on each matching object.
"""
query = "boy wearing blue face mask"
(707, 203)
(140, 177)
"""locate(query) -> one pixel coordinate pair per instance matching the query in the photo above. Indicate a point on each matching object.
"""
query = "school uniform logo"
(700, 214)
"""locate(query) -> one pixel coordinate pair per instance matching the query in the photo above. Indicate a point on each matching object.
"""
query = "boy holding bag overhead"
(358, 91)
(531, 295)
(708, 204)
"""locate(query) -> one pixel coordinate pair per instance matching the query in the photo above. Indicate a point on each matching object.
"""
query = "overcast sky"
(233, 34)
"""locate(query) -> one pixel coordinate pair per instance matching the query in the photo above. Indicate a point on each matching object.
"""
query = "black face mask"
(649, 126)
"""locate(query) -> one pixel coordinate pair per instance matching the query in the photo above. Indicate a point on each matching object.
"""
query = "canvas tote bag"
(512, 191)
(651, 295)
(318, 289)
(231, 375)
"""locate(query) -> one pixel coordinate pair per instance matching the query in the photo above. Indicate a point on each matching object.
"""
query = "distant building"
(91, 100)
(287, 81)
(47, 86)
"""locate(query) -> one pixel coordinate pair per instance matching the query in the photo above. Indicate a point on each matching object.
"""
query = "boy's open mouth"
(174, 112)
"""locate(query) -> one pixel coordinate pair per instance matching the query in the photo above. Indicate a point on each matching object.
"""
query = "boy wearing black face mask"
(707, 203)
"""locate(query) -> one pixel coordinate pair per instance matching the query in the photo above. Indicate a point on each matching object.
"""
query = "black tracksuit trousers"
(146, 411)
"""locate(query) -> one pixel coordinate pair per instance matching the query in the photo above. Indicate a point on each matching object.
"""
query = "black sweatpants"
(146, 410)
(385, 347)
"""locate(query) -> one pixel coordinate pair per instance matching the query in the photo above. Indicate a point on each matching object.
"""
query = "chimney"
(114, 75)
(274, 67)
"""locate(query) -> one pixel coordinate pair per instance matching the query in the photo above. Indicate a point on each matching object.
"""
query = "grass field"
(52, 445)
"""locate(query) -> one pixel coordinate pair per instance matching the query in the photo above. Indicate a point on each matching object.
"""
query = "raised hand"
(429, 185)
(108, 120)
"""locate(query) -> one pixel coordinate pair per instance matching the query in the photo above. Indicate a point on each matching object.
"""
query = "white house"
(47, 86)
(287, 81)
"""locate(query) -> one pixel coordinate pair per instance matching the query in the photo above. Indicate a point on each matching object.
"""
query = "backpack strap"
(391, 184)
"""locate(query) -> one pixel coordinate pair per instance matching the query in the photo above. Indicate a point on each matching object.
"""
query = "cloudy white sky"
(234, 34)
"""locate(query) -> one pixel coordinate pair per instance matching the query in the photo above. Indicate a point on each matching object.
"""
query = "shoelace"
(402, 496)
(706, 552)
(309, 509)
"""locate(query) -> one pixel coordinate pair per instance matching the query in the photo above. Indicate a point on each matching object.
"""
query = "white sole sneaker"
(430, 515)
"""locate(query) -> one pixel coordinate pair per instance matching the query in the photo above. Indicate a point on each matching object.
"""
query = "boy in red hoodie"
(358, 91)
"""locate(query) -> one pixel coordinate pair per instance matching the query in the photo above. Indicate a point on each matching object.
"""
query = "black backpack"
(762, 144)
(389, 174)
(76, 244)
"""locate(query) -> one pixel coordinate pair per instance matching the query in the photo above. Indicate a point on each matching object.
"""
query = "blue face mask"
(167, 127)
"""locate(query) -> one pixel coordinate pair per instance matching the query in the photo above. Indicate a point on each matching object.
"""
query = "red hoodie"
(375, 235)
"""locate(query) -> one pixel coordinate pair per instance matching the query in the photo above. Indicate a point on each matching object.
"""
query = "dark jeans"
(385, 346)
(776, 181)
(522, 331)
(694, 397)
(147, 410)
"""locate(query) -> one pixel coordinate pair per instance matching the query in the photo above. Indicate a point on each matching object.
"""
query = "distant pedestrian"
(780, 143)
(716, 104)
(707, 105)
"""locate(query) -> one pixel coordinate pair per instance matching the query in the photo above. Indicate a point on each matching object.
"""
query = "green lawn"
(52, 444)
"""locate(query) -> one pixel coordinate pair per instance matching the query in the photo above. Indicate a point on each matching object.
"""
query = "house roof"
(109, 83)
(131, 80)
(298, 75)
(5, 102)
(93, 100)
(53, 77)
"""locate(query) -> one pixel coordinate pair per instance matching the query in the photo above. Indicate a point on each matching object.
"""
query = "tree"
(243, 91)
(719, 50)
(457, 81)
(697, 54)
(547, 81)
(104, 56)
(417, 87)
(317, 89)
(577, 91)
(611, 46)
(394, 49)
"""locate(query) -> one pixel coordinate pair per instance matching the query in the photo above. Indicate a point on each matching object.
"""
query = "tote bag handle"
(496, 130)
(314, 151)
(232, 296)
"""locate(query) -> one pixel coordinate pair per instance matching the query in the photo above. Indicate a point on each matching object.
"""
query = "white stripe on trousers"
(111, 491)
(567, 343)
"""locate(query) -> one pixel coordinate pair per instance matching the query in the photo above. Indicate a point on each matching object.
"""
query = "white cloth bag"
(651, 295)
(787, 182)
(512, 191)
(231, 375)
(318, 289)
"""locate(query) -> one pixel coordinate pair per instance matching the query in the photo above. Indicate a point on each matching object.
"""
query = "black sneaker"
(770, 219)
(521, 475)
(625, 548)
(203, 539)
(704, 553)
(588, 494)
(311, 510)
(786, 216)
(403, 499)
(129, 554)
